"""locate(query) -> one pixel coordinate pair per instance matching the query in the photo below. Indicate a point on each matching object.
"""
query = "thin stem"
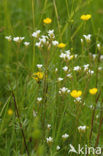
(21, 127)
(93, 116)
(100, 125)
(56, 12)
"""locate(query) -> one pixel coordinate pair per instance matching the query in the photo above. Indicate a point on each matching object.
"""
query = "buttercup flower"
(10, 112)
(47, 20)
(93, 91)
(85, 17)
(38, 76)
(61, 45)
(76, 93)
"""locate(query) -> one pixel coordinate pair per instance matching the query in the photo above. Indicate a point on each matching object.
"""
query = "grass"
(23, 119)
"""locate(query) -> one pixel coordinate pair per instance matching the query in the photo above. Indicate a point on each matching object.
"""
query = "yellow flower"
(76, 93)
(10, 112)
(93, 91)
(85, 17)
(47, 20)
(61, 45)
(38, 76)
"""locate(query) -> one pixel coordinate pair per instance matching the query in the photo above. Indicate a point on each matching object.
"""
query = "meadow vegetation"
(51, 77)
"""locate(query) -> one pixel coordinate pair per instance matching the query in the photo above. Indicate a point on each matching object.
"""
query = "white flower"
(86, 67)
(63, 90)
(99, 68)
(48, 126)
(81, 40)
(60, 79)
(49, 140)
(39, 66)
(56, 69)
(9, 38)
(39, 99)
(97, 116)
(65, 68)
(62, 55)
(77, 68)
(98, 46)
(38, 44)
(90, 71)
(101, 57)
(87, 37)
(34, 113)
(44, 36)
(26, 43)
(42, 40)
(76, 55)
(68, 91)
(94, 56)
(77, 99)
(91, 106)
(67, 52)
(58, 148)
(55, 43)
(18, 39)
(36, 33)
(65, 136)
(69, 75)
(51, 33)
(82, 128)
(69, 57)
